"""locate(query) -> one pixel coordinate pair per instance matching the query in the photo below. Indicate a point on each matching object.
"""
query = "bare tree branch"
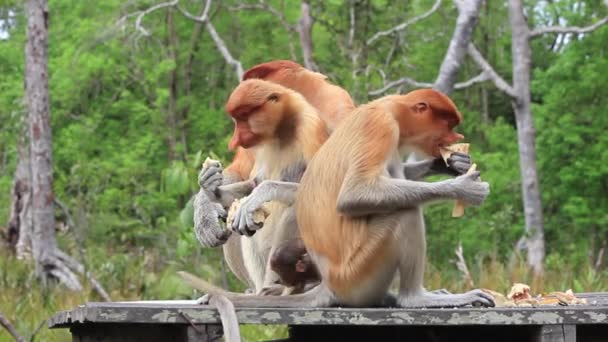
(499, 82)
(156, 7)
(200, 19)
(265, 6)
(468, 12)
(401, 81)
(221, 46)
(461, 263)
(572, 29)
(404, 25)
(77, 267)
(482, 77)
(10, 328)
(305, 30)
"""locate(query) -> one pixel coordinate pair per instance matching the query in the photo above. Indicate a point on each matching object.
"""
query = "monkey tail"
(202, 285)
(319, 296)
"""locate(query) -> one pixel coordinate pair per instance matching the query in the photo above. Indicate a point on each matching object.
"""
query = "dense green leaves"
(134, 116)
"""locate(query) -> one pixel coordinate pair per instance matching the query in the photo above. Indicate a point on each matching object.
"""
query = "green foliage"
(134, 116)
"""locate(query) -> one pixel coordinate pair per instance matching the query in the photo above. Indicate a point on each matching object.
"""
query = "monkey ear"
(274, 97)
(301, 266)
(420, 107)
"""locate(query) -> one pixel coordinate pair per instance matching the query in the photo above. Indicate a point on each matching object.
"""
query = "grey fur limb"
(319, 296)
(386, 195)
(226, 194)
(432, 300)
(458, 163)
(207, 227)
(284, 192)
(230, 323)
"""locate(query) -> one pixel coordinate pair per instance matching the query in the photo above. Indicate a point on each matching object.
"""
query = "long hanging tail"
(318, 296)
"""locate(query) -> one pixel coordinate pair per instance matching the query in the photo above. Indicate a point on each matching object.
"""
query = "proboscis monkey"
(292, 263)
(284, 131)
(333, 104)
(360, 218)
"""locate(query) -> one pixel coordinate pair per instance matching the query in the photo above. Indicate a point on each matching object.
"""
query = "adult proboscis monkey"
(360, 217)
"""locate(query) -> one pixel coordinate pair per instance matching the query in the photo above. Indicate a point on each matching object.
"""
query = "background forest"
(136, 99)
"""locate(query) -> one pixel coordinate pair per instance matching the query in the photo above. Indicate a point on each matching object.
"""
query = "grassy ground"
(28, 305)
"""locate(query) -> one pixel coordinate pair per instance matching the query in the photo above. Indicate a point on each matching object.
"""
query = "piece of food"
(519, 292)
(208, 161)
(259, 216)
(446, 152)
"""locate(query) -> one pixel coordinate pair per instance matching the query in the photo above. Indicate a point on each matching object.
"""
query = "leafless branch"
(77, 267)
(353, 22)
(482, 77)
(10, 328)
(468, 12)
(200, 19)
(571, 29)
(305, 30)
(404, 25)
(264, 6)
(221, 46)
(462, 266)
(401, 81)
(499, 82)
(156, 7)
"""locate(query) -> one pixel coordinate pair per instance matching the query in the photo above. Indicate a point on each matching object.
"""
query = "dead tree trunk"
(50, 262)
(533, 240)
(20, 219)
(37, 94)
(533, 212)
(468, 12)
(305, 30)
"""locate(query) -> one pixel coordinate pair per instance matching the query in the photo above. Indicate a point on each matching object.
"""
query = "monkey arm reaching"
(268, 190)
(361, 197)
(458, 164)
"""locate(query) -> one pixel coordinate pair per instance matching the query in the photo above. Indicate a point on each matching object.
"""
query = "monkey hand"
(210, 177)
(470, 189)
(272, 290)
(247, 218)
(458, 163)
(207, 227)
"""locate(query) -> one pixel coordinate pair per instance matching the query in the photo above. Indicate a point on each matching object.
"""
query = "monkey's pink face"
(428, 132)
(253, 126)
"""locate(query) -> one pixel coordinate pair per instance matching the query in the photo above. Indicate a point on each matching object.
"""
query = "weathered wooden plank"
(557, 333)
(174, 312)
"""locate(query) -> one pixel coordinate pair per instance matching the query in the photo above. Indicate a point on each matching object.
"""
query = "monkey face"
(427, 121)
(256, 108)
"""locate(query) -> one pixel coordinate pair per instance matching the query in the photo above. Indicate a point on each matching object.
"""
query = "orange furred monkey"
(359, 216)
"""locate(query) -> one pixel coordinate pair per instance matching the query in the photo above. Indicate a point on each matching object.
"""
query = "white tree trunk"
(37, 94)
(305, 30)
(20, 222)
(468, 12)
(534, 241)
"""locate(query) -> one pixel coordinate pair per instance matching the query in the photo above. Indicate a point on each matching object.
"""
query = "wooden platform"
(186, 321)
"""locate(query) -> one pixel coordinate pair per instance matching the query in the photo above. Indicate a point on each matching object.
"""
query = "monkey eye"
(273, 97)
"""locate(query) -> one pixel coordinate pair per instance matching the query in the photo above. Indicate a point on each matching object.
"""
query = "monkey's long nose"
(453, 137)
(234, 141)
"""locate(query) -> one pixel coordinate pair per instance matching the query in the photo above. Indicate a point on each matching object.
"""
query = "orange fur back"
(362, 142)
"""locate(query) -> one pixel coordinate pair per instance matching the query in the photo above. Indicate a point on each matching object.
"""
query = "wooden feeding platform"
(186, 321)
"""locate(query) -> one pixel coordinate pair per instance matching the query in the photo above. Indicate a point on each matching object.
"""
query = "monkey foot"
(272, 290)
(203, 300)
